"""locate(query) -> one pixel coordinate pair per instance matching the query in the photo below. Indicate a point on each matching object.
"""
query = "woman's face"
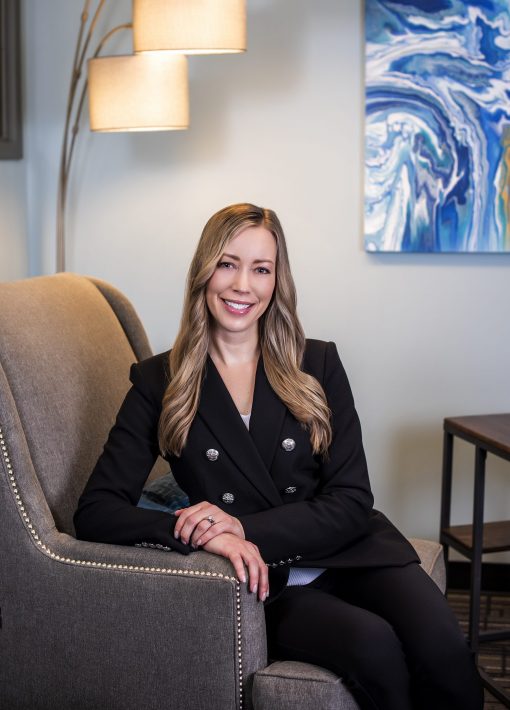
(240, 289)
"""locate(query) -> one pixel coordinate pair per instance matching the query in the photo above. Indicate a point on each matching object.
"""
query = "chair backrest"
(66, 345)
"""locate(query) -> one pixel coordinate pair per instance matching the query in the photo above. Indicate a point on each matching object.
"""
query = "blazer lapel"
(267, 417)
(219, 412)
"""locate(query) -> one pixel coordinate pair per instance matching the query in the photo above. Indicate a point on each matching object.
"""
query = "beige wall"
(13, 233)
(421, 336)
(13, 214)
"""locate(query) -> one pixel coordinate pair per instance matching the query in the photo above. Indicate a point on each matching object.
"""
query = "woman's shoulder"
(315, 347)
(318, 350)
(319, 356)
(152, 373)
(154, 365)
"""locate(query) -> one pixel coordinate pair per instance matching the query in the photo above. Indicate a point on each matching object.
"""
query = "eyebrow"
(256, 261)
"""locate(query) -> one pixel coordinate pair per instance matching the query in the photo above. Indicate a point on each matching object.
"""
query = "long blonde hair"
(282, 340)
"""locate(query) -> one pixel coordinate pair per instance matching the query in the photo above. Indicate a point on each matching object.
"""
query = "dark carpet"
(494, 657)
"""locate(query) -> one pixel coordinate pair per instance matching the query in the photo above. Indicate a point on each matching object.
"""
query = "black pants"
(388, 632)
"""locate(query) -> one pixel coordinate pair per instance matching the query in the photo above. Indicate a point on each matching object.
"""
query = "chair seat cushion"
(288, 685)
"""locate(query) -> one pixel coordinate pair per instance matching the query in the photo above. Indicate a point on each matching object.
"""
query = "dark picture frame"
(10, 81)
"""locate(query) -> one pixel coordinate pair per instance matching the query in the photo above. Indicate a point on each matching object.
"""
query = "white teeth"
(238, 306)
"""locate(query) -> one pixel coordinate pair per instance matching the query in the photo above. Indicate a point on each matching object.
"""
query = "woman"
(260, 430)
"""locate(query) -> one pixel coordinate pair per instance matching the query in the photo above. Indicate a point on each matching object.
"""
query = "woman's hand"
(202, 522)
(242, 552)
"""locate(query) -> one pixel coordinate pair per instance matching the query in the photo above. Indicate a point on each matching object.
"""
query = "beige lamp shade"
(144, 92)
(189, 26)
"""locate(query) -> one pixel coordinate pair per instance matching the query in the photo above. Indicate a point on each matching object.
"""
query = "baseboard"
(495, 576)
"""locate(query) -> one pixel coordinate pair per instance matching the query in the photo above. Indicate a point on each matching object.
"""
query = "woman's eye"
(262, 270)
(225, 265)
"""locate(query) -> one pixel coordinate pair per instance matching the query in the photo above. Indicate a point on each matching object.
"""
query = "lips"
(238, 308)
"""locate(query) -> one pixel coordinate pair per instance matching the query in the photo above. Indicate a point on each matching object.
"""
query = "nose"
(241, 282)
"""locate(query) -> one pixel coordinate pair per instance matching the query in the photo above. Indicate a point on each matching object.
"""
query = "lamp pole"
(73, 117)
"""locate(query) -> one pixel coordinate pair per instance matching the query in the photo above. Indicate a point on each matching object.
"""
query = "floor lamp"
(146, 90)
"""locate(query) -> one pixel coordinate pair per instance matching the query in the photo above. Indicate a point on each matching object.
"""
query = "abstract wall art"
(437, 130)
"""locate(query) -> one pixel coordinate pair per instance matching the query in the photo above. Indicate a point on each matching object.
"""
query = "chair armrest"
(431, 559)
(132, 623)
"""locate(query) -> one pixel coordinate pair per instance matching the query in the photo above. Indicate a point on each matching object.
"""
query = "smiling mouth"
(236, 307)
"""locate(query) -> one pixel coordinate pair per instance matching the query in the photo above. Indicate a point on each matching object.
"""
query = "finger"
(188, 521)
(228, 524)
(238, 563)
(206, 516)
(212, 531)
(203, 527)
(253, 573)
(263, 581)
(188, 529)
(184, 514)
(195, 525)
(263, 584)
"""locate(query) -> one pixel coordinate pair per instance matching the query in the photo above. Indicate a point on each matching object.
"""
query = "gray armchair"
(87, 625)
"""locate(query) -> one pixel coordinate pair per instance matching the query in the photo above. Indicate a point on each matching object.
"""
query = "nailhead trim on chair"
(137, 568)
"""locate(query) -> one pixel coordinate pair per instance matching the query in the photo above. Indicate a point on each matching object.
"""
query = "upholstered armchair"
(88, 625)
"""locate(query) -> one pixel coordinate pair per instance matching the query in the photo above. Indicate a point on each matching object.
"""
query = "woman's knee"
(449, 673)
(439, 645)
(376, 650)
(377, 672)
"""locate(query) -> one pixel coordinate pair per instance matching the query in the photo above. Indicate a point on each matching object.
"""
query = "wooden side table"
(489, 433)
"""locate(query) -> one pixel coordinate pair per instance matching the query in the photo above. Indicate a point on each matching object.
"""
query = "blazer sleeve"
(338, 513)
(107, 509)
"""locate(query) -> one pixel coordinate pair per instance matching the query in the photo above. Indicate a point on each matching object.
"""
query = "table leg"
(477, 548)
(446, 492)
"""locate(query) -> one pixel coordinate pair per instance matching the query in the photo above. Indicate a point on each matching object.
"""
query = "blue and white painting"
(437, 153)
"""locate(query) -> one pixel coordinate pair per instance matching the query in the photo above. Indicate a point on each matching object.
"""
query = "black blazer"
(298, 509)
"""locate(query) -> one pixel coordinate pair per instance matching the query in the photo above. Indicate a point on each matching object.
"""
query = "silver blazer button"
(212, 454)
(290, 489)
(228, 498)
(288, 444)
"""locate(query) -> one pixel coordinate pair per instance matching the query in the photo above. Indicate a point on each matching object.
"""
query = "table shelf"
(496, 537)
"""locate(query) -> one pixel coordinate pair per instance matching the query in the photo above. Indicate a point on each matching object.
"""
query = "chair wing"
(87, 625)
